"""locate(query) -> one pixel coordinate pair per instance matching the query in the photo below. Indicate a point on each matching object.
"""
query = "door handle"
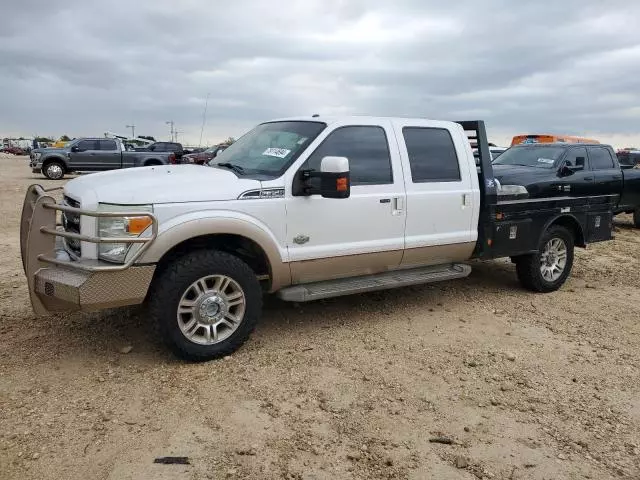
(617, 177)
(398, 205)
(588, 179)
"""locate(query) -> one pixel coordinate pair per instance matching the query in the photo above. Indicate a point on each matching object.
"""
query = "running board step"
(370, 283)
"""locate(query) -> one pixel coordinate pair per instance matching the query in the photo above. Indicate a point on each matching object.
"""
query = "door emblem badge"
(301, 239)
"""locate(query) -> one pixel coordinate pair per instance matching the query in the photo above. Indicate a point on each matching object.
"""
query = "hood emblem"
(301, 239)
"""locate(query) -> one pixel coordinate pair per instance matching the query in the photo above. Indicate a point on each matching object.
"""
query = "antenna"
(172, 124)
(133, 129)
(204, 118)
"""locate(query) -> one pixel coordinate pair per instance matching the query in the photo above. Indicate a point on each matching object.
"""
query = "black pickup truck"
(571, 170)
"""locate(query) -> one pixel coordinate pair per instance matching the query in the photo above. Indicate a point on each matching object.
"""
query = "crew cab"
(576, 169)
(305, 208)
(92, 155)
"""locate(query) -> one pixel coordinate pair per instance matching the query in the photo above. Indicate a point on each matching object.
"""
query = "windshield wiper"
(231, 166)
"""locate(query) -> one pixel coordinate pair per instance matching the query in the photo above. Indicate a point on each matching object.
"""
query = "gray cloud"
(83, 67)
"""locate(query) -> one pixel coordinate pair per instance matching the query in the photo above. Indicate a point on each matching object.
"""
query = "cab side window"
(108, 145)
(84, 145)
(577, 157)
(367, 149)
(600, 158)
(432, 155)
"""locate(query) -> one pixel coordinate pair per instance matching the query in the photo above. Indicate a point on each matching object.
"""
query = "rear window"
(432, 155)
(109, 145)
(600, 158)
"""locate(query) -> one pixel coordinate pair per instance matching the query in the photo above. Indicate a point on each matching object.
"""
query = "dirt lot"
(524, 386)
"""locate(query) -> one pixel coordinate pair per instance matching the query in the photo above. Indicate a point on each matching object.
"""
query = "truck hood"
(158, 184)
(50, 150)
(521, 175)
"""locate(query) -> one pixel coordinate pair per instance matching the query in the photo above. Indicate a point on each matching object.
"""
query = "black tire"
(152, 163)
(175, 280)
(53, 170)
(528, 267)
(636, 218)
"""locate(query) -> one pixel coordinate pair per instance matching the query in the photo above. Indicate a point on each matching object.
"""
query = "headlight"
(123, 227)
(36, 156)
(511, 190)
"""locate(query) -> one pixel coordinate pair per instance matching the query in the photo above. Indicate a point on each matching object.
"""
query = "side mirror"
(75, 149)
(335, 180)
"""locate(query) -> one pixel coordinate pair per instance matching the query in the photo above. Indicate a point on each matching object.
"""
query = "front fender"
(210, 222)
(46, 158)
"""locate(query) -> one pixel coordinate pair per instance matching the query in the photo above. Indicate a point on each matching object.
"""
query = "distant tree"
(229, 141)
(44, 139)
(21, 138)
(65, 138)
(146, 137)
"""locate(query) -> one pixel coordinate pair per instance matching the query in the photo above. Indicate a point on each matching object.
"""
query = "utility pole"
(133, 129)
(204, 119)
(176, 132)
(172, 124)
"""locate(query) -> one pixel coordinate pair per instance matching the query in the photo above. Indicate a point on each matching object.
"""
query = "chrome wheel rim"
(54, 171)
(211, 309)
(553, 259)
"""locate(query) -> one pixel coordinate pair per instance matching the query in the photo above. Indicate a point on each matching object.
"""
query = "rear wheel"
(548, 269)
(206, 304)
(53, 170)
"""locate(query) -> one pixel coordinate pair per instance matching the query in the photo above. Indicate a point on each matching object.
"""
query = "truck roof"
(350, 118)
(561, 144)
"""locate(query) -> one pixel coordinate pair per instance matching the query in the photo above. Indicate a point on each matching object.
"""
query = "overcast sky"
(83, 68)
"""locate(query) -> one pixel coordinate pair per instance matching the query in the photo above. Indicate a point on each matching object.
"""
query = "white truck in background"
(306, 208)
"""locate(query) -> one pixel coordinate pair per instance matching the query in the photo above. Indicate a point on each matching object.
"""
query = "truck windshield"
(533, 156)
(269, 148)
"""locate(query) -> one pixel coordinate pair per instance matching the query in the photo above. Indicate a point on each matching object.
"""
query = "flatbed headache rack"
(477, 134)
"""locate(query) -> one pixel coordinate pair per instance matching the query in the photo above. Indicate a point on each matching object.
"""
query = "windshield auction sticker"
(548, 161)
(276, 152)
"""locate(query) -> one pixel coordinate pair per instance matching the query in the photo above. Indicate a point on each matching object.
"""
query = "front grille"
(71, 223)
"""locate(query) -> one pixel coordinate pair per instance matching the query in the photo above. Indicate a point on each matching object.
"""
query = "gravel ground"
(511, 385)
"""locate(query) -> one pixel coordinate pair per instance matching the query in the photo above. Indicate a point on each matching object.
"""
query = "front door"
(579, 181)
(84, 158)
(363, 234)
(443, 197)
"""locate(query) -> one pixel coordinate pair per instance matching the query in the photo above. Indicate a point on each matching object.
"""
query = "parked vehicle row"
(310, 208)
(92, 155)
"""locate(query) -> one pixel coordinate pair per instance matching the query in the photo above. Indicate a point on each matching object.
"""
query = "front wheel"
(53, 170)
(206, 304)
(548, 269)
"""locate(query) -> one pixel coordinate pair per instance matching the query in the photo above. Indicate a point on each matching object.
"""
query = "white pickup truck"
(306, 208)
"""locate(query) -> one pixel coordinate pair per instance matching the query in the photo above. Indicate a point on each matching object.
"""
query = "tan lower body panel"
(371, 263)
(437, 254)
(61, 290)
(345, 266)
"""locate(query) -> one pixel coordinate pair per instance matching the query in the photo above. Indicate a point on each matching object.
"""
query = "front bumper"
(36, 166)
(59, 284)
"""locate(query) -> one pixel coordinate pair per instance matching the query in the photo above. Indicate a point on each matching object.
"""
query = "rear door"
(84, 159)
(109, 157)
(607, 173)
(443, 199)
(363, 234)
